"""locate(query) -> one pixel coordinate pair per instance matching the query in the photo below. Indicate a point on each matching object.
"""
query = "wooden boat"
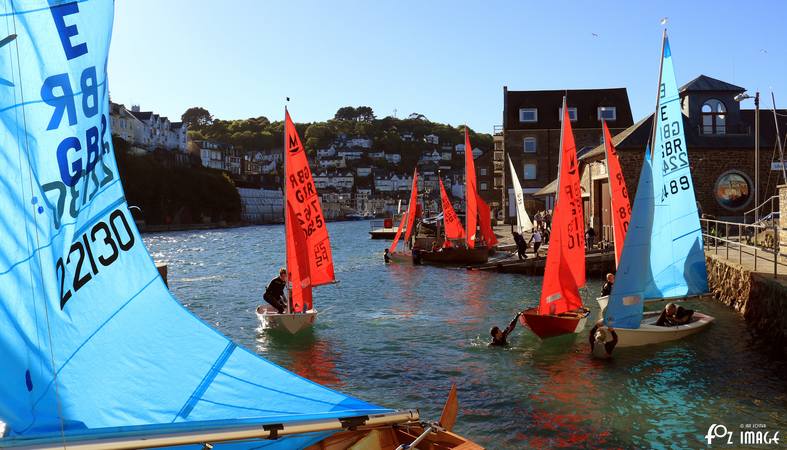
(560, 310)
(308, 255)
(456, 256)
(406, 225)
(401, 257)
(663, 257)
(289, 322)
(650, 333)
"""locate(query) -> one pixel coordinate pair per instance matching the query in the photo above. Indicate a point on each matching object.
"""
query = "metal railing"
(770, 201)
(759, 241)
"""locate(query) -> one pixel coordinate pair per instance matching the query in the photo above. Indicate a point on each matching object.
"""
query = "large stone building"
(146, 131)
(531, 133)
(720, 140)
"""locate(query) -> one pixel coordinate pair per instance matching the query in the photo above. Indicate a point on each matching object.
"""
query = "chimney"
(134, 108)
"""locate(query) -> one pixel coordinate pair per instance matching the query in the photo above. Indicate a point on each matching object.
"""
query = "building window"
(528, 115)
(483, 186)
(714, 115)
(572, 113)
(530, 171)
(733, 190)
(482, 172)
(529, 144)
(608, 113)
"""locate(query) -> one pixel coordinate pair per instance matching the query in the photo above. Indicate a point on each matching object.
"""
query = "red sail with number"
(311, 247)
(470, 193)
(453, 227)
(621, 206)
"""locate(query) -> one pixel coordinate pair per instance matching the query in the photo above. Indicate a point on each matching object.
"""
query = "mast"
(658, 91)
(563, 113)
(284, 204)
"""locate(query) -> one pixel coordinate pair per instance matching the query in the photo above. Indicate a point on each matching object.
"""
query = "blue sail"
(663, 255)
(90, 337)
(678, 259)
(625, 306)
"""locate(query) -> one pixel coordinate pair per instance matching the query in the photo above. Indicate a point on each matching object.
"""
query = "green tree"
(364, 114)
(346, 113)
(197, 117)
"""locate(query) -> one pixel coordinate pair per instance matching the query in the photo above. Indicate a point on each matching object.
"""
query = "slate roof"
(708, 84)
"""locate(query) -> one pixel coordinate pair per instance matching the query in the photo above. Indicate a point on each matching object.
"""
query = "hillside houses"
(146, 131)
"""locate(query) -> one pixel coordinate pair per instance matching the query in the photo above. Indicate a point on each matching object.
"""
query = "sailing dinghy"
(663, 256)
(96, 352)
(477, 213)
(523, 222)
(308, 247)
(404, 255)
(560, 310)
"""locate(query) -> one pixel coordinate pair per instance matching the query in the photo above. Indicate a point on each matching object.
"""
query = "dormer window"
(714, 117)
(528, 115)
(572, 113)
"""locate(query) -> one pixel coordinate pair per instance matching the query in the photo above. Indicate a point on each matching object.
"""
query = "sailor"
(607, 288)
(674, 315)
(521, 244)
(536, 238)
(274, 294)
(499, 338)
(387, 256)
(603, 340)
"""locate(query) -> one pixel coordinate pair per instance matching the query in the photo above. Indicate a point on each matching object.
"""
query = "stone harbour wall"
(761, 300)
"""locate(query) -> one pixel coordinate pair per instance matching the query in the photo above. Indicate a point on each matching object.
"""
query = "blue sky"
(446, 60)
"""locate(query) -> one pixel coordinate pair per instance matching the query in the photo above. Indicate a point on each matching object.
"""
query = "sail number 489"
(115, 234)
(675, 186)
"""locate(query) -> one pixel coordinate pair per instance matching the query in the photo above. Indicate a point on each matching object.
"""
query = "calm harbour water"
(399, 335)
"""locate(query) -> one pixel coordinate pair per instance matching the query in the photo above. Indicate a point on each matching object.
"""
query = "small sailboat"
(523, 222)
(476, 213)
(406, 224)
(621, 206)
(560, 310)
(96, 351)
(308, 247)
(663, 256)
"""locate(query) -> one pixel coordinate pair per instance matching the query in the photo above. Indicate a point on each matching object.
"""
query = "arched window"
(714, 117)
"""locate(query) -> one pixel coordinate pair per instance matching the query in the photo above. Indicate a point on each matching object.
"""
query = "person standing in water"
(387, 256)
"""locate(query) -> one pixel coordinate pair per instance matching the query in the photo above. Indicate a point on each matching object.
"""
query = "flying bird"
(594, 34)
(762, 50)
(664, 20)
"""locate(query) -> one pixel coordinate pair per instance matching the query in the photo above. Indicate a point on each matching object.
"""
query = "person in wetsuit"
(674, 315)
(387, 256)
(521, 244)
(603, 340)
(499, 337)
(274, 294)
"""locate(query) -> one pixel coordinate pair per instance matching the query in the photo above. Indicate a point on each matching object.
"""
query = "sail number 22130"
(96, 248)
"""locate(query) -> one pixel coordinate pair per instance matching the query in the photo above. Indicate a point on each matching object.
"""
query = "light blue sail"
(663, 254)
(91, 339)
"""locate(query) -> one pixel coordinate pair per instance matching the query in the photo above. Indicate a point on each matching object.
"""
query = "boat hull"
(383, 233)
(401, 257)
(456, 256)
(292, 323)
(547, 326)
(648, 333)
(604, 301)
(391, 438)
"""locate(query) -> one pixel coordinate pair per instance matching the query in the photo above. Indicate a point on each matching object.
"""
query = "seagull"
(594, 34)
(762, 50)
(664, 20)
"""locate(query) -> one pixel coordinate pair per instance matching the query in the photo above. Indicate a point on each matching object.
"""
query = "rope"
(37, 238)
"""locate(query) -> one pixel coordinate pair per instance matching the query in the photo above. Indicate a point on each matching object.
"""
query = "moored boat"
(650, 333)
(459, 256)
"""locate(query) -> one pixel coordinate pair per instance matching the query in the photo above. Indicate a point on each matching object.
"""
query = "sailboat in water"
(407, 223)
(308, 248)
(560, 310)
(523, 222)
(477, 216)
(96, 352)
(663, 255)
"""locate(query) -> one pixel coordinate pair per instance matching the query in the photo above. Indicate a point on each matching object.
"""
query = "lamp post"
(739, 98)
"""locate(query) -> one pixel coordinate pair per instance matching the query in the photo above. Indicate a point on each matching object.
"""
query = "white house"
(446, 155)
(333, 163)
(406, 136)
(383, 183)
(432, 139)
(394, 158)
(212, 154)
(433, 156)
(359, 142)
(363, 171)
(377, 154)
(350, 154)
(326, 152)
(337, 180)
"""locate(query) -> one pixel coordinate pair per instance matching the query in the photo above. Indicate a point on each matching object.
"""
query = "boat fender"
(274, 430)
(352, 423)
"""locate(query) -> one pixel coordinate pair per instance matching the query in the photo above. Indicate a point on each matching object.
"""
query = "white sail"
(523, 222)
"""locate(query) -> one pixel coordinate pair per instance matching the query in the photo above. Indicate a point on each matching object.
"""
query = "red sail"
(302, 198)
(565, 266)
(470, 192)
(621, 207)
(485, 220)
(298, 264)
(412, 209)
(398, 234)
(453, 227)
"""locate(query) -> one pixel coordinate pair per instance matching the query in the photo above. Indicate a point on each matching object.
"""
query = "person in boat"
(607, 288)
(603, 340)
(274, 294)
(674, 315)
(500, 337)
(521, 244)
(536, 239)
(435, 247)
(590, 236)
(387, 256)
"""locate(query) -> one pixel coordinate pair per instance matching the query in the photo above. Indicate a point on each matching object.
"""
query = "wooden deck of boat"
(597, 263)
